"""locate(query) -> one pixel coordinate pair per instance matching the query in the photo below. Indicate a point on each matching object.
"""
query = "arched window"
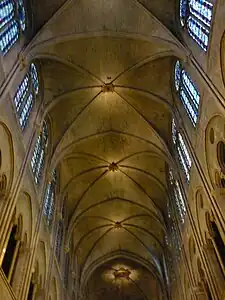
(196, 16)
(182, 151)
(38, 157)
(59, 238)
(187, 92)
(26, 94)
(12, 23)
(175, 241)
(179, 199)
(49, 201)
(177, 196)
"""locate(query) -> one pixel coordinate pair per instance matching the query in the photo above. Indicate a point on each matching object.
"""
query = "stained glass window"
(182, 151)
(26, 94)
(59, 238)
(175, 239)
(196, 16)
(187, 91)
(179, 199)
(12, 23)
(49, 201)
(38, 157)
(177, 196)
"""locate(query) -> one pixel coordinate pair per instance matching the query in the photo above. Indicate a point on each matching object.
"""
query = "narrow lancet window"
(26, 95)
(177, 197)
(49, 201)
(196, 16)
(12, 23)
(187, 92)
(59, 239)
(182, 151)
(38, 157)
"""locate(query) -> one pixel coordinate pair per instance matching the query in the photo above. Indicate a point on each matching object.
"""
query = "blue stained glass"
(184, 156)
(177, 75)
(180, 203)
(182, 151)
(38, 157)
(183, 11)
(21, 92)
(196, 15)
(26, 94)
(59, 238)
(199, 33)
(49, 202)
(26, 111)
(8, 36)
(22, 15)
(202, 10)
(187, 92)
(6, 12)
(34, 78)
(12, 22)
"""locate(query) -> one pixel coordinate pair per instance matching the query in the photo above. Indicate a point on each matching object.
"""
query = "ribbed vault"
(107, 87)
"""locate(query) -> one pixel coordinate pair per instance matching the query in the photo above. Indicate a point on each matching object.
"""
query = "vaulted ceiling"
(107, 73)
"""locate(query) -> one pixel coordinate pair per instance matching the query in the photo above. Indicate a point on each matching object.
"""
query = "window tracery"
(196, 16)
(59, 238)
(49, 200)
(182, 151)
(26, 94)
(12, 23)
(187, 91)
(177, 196)
(38, 157)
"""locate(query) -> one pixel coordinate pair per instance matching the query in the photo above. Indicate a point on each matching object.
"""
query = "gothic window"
(179, 200)
(196, 16)
(182, 151)
(175, 240)
(59, 238)
(12, 23)
(187, 92)
(38, 157)
(26, 94)
(49, 201)
(177, 196)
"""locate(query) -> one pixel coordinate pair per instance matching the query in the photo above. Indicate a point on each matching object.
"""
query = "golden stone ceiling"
(107, 73)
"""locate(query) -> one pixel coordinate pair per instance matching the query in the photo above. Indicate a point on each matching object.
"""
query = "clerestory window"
(26, 95)
(187, 92)
(38, 157)
(177, 197)
(49, 201)
(59, 239)
(12, 23)
(196, 16)
(182, 151)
